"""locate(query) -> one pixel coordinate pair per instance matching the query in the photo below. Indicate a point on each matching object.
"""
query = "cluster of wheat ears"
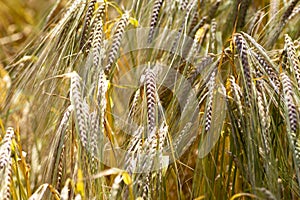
(181, 99)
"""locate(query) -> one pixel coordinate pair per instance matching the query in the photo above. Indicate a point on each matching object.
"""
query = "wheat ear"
(211, 86)
(155, 12)
(81, 112)
(150, 85)
(87, 22)
(291, 52)
(117, 38)
(243, 54)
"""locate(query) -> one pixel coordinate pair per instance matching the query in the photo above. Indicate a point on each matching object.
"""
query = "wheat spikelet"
(6, 163)
(284, 19)
(5, 149)
(213, 10)
(213, 36)
(243, 8)
(87, 22)
(269, 70)
(255, 22)
(97, 43)
(236, 90)
(134, 150)
(101, 97)
(115, 187)
(95, 27)
(79, 107)
(295, 12)
(183, 4)
(200, 24)
(288, 12)
(263, 112)
(155, 12)
(72, 9)
(211, 85)
(243, 54)
(288, 97)
(291, 52)
(94, 138)
(60, 168)
(199, 67)
(292, 115)
(118, 35)
(150, 85)
(7, 179)
(183, 25)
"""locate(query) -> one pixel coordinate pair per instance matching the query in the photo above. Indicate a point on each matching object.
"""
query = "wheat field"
(131, 99)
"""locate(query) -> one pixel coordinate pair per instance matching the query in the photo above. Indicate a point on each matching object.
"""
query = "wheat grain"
(155, 12)
(117, 38)
(79, 107)
(87, 22)
(291, 52)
